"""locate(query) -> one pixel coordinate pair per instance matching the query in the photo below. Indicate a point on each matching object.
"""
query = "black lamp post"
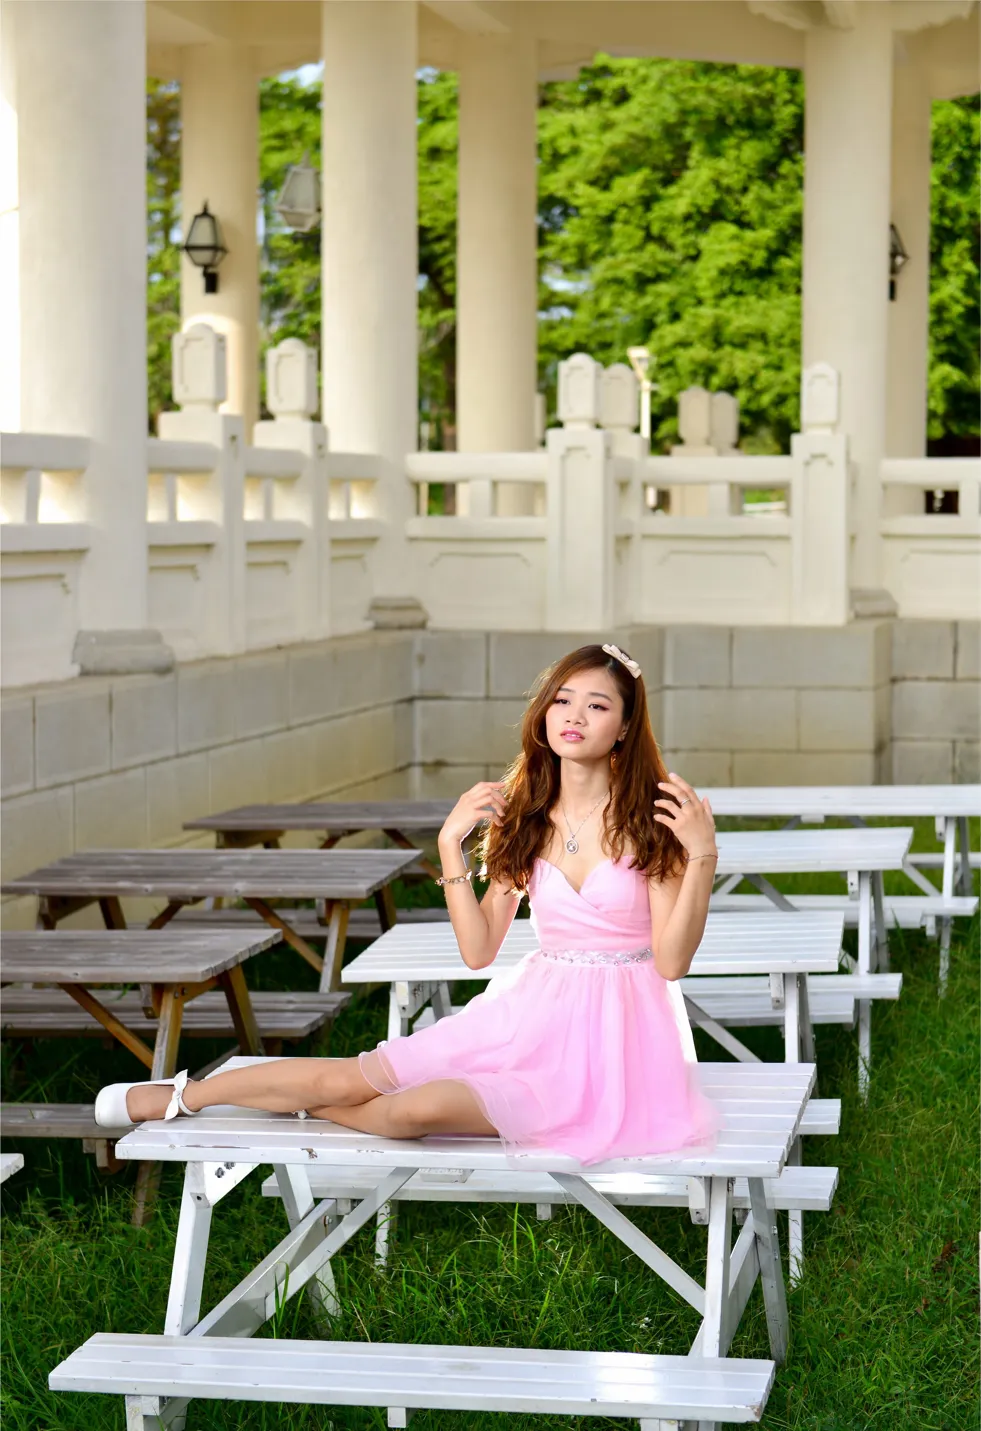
(898, 258)
(204, 246)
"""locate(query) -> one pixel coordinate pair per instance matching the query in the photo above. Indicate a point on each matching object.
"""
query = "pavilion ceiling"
(284, 34)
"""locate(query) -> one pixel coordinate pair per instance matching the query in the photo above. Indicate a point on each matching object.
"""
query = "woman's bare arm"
(479, 925)
(679, 906)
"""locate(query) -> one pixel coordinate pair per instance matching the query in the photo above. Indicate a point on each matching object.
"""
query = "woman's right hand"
(485, 800)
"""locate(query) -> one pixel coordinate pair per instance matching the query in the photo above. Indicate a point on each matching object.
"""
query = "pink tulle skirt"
(589, 1055)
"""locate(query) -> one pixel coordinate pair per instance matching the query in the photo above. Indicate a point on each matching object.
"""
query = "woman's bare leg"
(445, 1106)
(288, 1085)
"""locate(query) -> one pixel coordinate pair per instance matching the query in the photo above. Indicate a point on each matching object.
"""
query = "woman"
(584, 1048)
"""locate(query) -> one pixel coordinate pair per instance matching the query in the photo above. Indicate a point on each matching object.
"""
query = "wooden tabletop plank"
(232, 874)
(331, 816)
(768, 942)
(761, 1107)
(138, 956)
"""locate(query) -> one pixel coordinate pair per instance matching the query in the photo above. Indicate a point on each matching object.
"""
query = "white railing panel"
(932, 561)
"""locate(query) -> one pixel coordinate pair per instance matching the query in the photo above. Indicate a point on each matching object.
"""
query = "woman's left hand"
(691, 819)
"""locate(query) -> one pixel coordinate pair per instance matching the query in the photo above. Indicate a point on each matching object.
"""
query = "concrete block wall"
(94, 763)
(936, 701)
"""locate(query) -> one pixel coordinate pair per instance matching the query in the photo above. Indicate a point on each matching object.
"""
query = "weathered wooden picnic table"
(339, 878)
(171, 966)
(331, 819)
(761, 1105)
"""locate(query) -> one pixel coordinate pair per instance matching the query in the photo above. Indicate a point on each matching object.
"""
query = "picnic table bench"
(338, 878)
(761, 1106)
(331, 819)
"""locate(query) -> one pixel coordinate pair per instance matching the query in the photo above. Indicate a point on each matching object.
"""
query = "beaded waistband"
(597, 956)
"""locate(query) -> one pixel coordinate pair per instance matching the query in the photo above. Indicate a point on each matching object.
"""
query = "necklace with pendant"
(572, 844)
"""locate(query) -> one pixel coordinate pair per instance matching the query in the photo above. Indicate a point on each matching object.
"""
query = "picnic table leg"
(171, 1004)
(385, 904)
(298, 1199)
(864, 967)
(771, 1274)
(330, 973)
(964, 880)
(881, 928)
(947, 889)
(190, 1256)
(232, 982)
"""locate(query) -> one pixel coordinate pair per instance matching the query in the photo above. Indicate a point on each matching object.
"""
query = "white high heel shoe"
(110, 1105)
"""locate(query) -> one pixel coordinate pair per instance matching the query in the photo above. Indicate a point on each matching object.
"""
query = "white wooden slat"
(516, 1380)
(812, 851)
(907, 911)
(767, 1098)
(864, 801)
(10, 1163)
(769, 942)
(806, 1188)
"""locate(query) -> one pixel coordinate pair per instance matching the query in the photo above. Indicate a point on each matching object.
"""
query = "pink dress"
(583, 1048)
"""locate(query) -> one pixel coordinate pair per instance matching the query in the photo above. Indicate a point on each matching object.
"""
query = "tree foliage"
(163, 219)
(954, 382)
(670, 205)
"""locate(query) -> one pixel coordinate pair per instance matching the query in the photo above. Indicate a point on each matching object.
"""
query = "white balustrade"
(44, 539)
(275, 541)
(932, 562)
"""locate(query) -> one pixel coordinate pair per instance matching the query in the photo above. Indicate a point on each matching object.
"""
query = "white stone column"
(909, 313)
(369, 252)
(9, 227)
(497, 274)
(81, 96)
(220, 166)
(848, 78)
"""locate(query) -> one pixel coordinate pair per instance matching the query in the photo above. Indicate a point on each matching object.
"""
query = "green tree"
(438, 140)
(670, 209)
(289, 131)
(163, 185)
(955, 293)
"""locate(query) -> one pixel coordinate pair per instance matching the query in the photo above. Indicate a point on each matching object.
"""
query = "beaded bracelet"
(456, 879)
(700, 857)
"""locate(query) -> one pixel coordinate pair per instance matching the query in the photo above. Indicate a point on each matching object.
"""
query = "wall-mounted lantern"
(204, 246)
(298, 204)
(898, 258)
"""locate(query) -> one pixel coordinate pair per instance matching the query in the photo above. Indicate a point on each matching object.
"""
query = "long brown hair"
(531, 782)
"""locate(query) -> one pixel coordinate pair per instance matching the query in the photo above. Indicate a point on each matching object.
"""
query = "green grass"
(883, 1323)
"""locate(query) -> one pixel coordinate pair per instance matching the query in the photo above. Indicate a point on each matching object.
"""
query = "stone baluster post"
(200, 386)
(724, 500)
(695, 431)
(581, 508)
(819, 505)
(292, 398)
(619, 417)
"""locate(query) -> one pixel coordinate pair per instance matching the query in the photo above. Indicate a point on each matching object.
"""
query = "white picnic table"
(949, 806)
(761, 1105)
(420, 961)
(750, 968)
(335, 878)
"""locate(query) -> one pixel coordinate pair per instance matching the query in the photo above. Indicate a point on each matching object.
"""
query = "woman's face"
(585, 720)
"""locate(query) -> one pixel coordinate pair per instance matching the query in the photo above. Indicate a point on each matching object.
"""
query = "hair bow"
(622, 656)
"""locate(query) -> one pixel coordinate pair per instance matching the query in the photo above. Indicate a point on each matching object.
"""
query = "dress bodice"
(611, 912)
